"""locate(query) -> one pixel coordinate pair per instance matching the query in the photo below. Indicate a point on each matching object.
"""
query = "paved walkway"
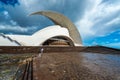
(76, 66)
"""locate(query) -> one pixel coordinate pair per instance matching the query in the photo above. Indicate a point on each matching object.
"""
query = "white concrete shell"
(41, 36)
(7, 41)
(49, 32)
(63, 21)
(64, 28)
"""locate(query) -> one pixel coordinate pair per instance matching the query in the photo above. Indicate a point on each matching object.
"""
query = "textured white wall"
(7, 42)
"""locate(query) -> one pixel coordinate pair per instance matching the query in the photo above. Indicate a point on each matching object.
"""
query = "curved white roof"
(40, 36)
(7, 41)
(24, 40)
(48, 32)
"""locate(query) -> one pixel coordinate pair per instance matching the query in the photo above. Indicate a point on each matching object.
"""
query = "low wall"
(37, 49)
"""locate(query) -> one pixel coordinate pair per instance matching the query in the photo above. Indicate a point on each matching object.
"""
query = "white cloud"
(19, 13)
(84, 27)
(37, 5)
(13, 22)
(5, 13)
(113, 22)
(99, 19)
(16, 28)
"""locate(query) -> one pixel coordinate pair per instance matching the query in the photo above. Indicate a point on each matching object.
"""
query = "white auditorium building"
(63, 33)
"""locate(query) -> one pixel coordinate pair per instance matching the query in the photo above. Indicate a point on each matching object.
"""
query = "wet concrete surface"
(77, 66)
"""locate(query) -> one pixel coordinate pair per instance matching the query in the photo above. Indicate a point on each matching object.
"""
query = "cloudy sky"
(98, 21)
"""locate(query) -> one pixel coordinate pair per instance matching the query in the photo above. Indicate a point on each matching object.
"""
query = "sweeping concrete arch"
(63, 21)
